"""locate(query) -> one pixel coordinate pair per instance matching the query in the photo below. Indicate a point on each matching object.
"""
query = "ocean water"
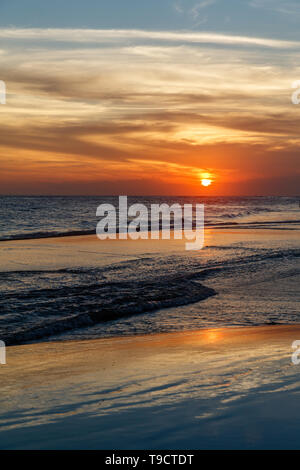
(249, 279)
(37, 217)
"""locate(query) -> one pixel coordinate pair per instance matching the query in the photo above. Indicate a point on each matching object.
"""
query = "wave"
(95, 303)
(48, 234)
(208, 223)
(36, 305)
(261, 223)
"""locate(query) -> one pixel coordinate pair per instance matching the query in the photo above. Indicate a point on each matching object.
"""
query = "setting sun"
(206, 182)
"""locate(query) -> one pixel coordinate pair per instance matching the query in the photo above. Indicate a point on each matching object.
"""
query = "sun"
(206, 182)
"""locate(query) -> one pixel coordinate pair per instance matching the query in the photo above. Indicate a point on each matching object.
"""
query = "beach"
(123, 344)
(80, 287)
(209, 389)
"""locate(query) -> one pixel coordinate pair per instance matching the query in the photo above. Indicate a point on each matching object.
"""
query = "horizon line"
(150, 195)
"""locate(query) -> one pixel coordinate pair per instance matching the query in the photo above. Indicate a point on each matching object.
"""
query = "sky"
(143, 98)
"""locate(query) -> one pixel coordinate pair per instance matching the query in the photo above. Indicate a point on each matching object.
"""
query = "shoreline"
(284, 329)
(15, 257)
(262, 225)
(58, 257)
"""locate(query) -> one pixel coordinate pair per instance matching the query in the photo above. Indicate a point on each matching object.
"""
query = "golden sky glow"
(149, 115)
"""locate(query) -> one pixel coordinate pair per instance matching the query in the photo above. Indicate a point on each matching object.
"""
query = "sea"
(251, 279)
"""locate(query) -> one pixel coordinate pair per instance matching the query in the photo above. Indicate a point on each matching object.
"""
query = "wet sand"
(217, 388)
(89, 251)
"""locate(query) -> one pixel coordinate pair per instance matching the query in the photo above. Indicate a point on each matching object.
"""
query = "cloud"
(198, 7)
(118, 111)
(178, 8)
(116, 35)
(195, 10)
(288, 8)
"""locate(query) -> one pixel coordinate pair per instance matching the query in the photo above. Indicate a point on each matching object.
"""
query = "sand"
(208, 389)
(231, 388)
(88, 251)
